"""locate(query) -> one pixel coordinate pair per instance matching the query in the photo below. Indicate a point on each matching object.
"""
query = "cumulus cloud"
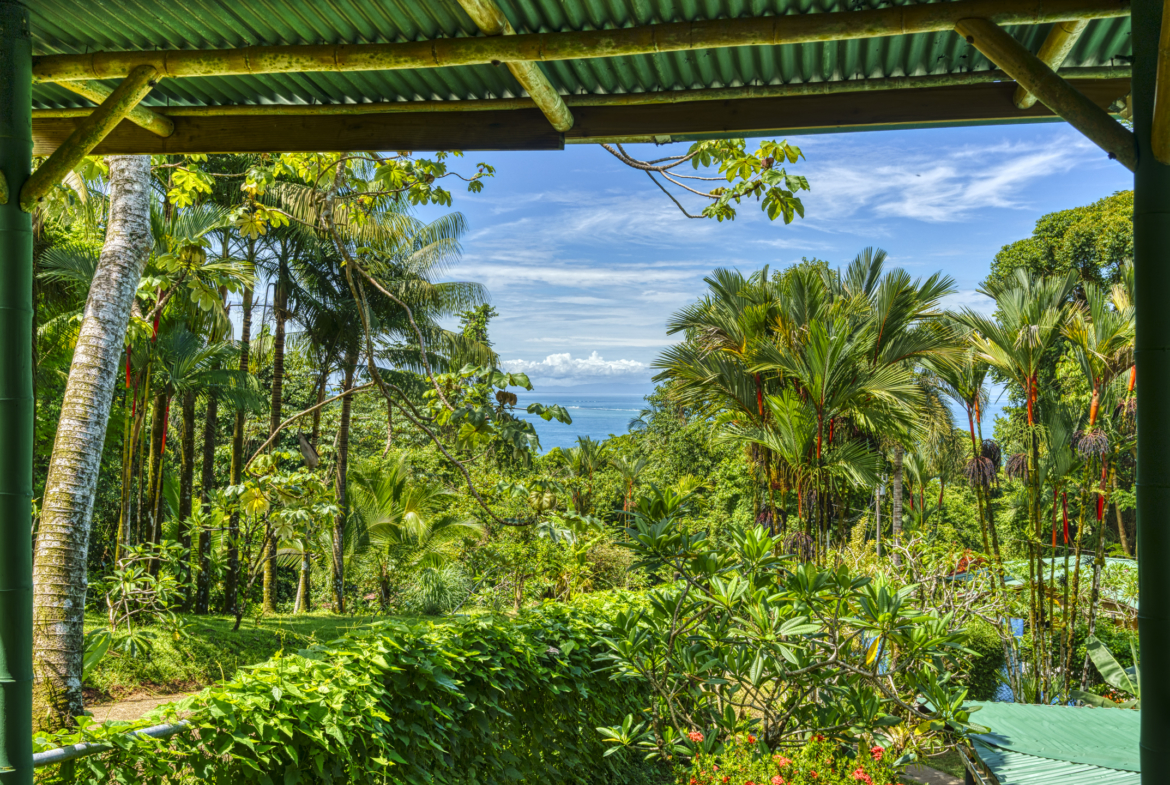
(563, 367)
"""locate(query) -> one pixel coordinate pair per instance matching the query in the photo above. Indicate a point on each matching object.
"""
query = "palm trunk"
(896, 516)
(315, 437)
(207, 483)
(1121, 532)
(231, 588)
(389, 428)
(281, 316)
(59, 573)
(187, 488)
(302, 603)
(154, 466)
(342, 470)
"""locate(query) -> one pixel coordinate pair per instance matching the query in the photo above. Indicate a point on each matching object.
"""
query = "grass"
(950, 762)
(210, 652)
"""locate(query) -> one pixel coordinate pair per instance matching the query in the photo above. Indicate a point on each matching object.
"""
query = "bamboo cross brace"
(1061, 39)
(90, 131)
(535, 47)
(139, 115)
(1160, 132)
(1040, 80)
(491, 20)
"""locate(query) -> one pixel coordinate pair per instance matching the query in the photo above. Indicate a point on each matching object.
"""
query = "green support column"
(16, 405)
(1151, 236)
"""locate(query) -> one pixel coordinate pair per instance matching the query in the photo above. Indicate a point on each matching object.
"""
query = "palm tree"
(406, 520)
(1030, 314)
(59, 565)
(630, 470)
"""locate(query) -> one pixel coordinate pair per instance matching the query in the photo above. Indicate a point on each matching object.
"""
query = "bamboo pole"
(139, 115)
(3, 189)
(16, 403)
(1160, 133)
(88, 134)
(535, 47)
(1052, 91)
(1060, 40)
(491, 20)
(618, 99)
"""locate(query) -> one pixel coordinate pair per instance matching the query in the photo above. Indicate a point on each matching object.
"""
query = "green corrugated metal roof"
(1101, 738)
(77, 26)
(1017, 768)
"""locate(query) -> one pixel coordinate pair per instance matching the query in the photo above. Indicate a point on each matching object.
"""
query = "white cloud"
(564, 367)
(935, 185)
(969, 298)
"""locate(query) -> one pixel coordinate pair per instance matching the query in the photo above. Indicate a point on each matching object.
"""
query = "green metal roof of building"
(80, 26)
(1031, 744)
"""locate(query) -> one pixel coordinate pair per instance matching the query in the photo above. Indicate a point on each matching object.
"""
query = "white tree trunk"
(59, 572)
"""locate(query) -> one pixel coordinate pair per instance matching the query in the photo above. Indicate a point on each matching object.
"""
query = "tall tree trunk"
(302, 603)
(158, 427)
(315, 436)
(280, 298)
(1122, 534)
(896, 515)
(342, 471)
(187, 489)
(389, 427)
(231, 587)
(207, 483)
(59, 573)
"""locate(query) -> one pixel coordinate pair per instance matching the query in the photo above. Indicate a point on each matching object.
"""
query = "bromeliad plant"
(745, 641)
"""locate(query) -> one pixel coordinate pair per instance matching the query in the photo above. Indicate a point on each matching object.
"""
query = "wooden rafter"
(537, 47)
(527, 128)
(139, 115)
(1062, 98)
(1060, 40)
(88, 133)
(491, 20)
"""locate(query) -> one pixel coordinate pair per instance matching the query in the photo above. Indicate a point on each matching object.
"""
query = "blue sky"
(585, 259)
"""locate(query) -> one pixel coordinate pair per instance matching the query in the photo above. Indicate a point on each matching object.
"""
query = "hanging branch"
(304, 413)
(358, 293)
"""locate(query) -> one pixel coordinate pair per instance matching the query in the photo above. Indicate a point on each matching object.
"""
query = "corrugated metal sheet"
(73, 26)
(1016, 768)
(1105, 738)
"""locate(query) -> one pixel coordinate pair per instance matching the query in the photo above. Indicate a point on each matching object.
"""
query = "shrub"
(746, 761)
(983, 677)
(474, 700)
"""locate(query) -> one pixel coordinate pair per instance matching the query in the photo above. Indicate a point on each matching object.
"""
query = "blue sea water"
(594, 414)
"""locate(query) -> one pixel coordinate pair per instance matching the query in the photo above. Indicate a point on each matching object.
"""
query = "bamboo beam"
(491, 20)
(1160, 132)
(536, 47)
(618, 99)
(139, 115)
(87, 135)
(1058, 95)
(528, 129)
(1060, 40)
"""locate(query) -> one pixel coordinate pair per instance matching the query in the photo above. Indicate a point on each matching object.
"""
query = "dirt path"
(132, 707)
(928, 776)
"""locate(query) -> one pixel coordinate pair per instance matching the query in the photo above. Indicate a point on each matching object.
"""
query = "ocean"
(594, 414)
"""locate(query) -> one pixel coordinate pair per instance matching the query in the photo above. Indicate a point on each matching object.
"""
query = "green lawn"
(210, 651)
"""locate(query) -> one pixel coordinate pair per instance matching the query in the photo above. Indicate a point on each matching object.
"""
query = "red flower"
(726, 779)
(781, 760)
(861, 776)
(693, 781)
(777, 780)
(812, 774)
(695, 736)
(820, 737)
(751, 739)
(876, 752)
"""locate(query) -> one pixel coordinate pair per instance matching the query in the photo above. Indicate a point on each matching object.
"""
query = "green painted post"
(1151, 237)
(16, 405)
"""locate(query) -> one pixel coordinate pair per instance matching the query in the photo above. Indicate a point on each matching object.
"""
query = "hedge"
(983, 676)
(488, 699)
